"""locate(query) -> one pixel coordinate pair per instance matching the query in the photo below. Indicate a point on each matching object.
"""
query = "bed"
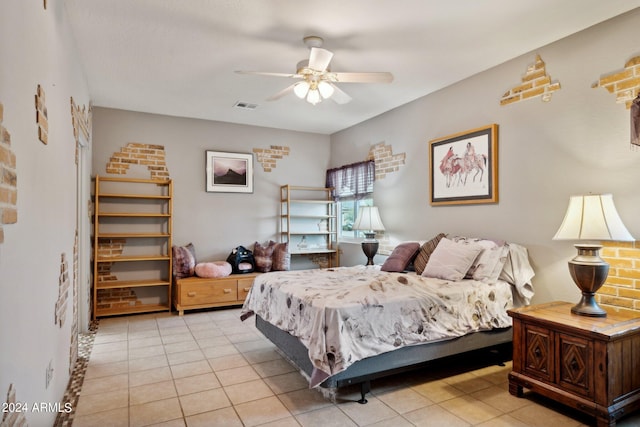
(350, 325)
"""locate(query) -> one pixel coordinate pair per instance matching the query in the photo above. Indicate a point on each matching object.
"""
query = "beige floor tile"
(109, 346)
(283, 422)
(540, 416)
(148, 363)
(262, 411)
(437, 391)
(198, 367)
(92, 403)
(219, 351)
(398, 421)
(225, 417)
(216, 341)
(262, 355)
(241, 336)
(113, 418)
(245, 392)
(149, 376)
(143, 334)
(154, 412)
(178, 422)
(102, 338)
(144, 342)
(103, 384)
(248, 346)
(207, 333)
(273, 367)
(505, 420)
(196, 383)
(434, 416)
(237, 375)
(227, 362)
(304, 400)
(181, 346)
(500, 398)
(144, 352)
(287, 382)
(176, 338)
(109, 356)
(404, 400)
(204, 401)
(467, 382)
(152, 392)
(329, 416)
(185, 357)
(470, 409)
(99, 370)
(181, 330)
(373, 411)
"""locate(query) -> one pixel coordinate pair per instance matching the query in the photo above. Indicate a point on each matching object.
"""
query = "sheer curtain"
(354, 181)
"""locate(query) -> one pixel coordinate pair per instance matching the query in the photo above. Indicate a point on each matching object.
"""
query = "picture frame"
(229, 172)
(463, 167)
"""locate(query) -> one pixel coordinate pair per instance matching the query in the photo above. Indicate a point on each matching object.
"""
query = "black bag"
(241, 260)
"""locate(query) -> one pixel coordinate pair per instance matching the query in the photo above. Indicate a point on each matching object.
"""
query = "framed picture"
(463, 168)
(229, 172)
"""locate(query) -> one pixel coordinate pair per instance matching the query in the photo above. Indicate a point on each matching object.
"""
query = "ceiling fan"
(317, 81)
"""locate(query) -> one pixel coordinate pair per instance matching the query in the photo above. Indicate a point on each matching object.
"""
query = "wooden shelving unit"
(308, 221)
(132, 246)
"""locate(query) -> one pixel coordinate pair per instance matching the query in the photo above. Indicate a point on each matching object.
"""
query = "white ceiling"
(178, 57)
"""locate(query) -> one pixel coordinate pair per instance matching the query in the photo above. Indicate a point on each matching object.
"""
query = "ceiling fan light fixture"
(326, 89)
(313, 97)
(301, 89)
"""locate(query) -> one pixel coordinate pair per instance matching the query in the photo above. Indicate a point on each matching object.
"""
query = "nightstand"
(591, 364)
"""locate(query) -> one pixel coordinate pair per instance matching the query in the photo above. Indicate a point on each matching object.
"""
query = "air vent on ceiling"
(245, 105)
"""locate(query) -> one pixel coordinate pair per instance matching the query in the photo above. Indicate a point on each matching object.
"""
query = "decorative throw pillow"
(451, 260)
(184, 261)
(263, 256)
(213, 269)
(427, 248)
(281, 257)
(484, 266)
(401, 256)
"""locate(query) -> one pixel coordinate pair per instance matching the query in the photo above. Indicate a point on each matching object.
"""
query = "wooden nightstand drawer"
(202, 293)
(575, 367)
(538, 352)
(198, 292)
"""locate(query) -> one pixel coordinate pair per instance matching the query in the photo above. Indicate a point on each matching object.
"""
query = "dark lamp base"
(370, 249)
(589, 272)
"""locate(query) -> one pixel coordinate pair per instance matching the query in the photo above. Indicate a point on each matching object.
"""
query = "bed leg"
(365, 388)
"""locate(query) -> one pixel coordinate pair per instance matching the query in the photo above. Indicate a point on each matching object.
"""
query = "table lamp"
(368, 221)
(592, 218)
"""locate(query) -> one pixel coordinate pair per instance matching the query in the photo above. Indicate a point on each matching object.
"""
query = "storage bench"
(200, 292)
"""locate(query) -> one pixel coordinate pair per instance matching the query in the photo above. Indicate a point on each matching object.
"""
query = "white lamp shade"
(326, 89)
(592, 217)
(301, 89)
(368, 219)
(313, 97)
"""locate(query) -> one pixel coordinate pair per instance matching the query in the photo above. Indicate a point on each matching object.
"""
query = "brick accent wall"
(152, 156)
(621, 291)
(42, 116)
(536, 82)
(8, 179)
(268, 157)
(115, 297)
(81, 122)
(13, 419)
(386, 161)
(624, 84)
(63, 291)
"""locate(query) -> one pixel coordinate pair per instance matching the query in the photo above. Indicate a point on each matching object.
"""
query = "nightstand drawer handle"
(191, 294)
(227, 291)
(537, 352)
(247, 289)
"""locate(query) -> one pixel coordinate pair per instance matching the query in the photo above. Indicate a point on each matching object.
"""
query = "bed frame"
(400, 360)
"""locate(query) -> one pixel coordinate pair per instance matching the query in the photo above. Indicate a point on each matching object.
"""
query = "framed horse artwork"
(463, 168)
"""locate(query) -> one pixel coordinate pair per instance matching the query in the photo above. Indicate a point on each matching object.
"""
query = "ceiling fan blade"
(282, 93)
(319, 59)
(339, 96)
(381, 77)
(262, 73)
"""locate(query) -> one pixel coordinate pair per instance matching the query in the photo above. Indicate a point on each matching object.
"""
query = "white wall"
(214, 222)
(36, 47)
(576, 143)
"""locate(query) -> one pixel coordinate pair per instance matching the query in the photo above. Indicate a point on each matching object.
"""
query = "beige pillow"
(451, 260)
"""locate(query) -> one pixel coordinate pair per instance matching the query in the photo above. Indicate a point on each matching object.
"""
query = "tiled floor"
(211, 369)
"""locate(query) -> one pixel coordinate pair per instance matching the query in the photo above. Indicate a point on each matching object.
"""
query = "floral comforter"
(346, 314)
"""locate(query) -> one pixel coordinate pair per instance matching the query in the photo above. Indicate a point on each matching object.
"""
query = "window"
(347, 214)
(353, 187)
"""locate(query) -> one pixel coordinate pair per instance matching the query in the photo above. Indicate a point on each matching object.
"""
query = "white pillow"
(451, 260)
